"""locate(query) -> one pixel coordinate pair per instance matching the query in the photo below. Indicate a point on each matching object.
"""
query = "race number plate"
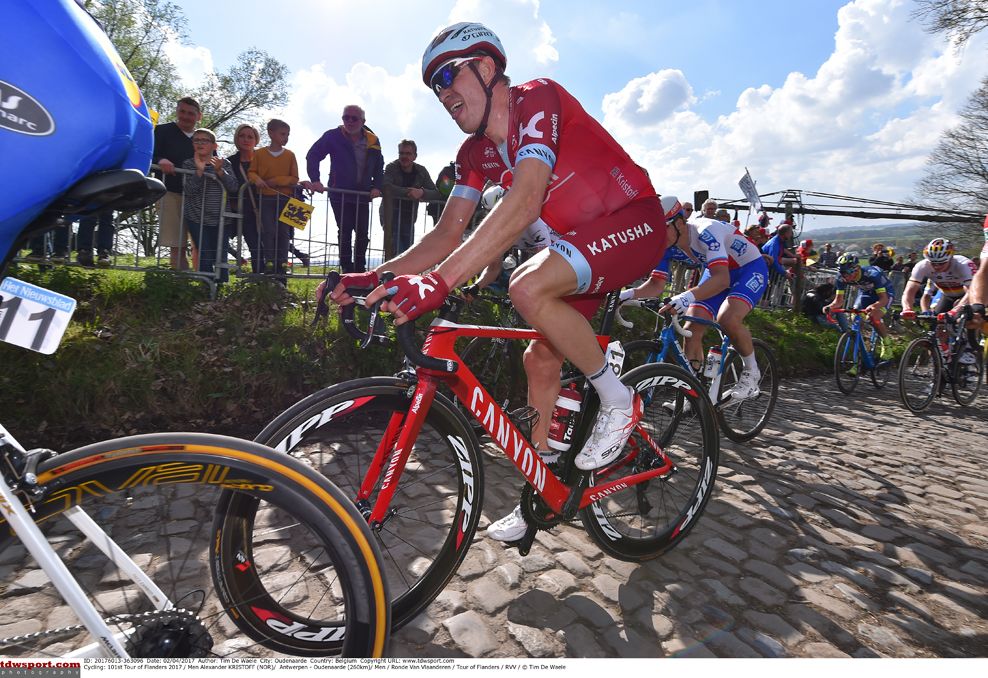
(33, 317)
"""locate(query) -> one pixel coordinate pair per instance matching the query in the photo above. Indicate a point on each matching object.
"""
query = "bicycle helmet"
(939, 251)
(847, 264)
(461, 41)
(672, 208)
(75, 131)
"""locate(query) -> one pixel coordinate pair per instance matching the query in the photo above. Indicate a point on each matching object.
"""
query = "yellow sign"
(296, 214)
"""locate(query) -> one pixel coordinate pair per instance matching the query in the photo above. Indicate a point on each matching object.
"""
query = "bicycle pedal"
(524, 545)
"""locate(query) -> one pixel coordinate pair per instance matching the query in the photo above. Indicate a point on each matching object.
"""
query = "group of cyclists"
(570, 186)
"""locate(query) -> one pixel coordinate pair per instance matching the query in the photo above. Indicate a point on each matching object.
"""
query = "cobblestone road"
(849, 527)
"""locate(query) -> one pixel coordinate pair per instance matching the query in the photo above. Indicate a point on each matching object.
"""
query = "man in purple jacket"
(356, 164)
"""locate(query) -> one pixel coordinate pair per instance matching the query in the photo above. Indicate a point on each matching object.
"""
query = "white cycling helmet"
(461, 40)
(939, 250)
(671, 207)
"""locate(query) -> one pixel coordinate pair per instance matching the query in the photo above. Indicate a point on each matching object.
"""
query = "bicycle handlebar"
(405, 332)
(651, 305)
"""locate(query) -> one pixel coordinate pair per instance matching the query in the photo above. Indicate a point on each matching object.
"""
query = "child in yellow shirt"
(274, 171)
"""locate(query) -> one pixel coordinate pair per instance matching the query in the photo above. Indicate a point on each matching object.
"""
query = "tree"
(958, 19)
(140, 30)
(255, 83)
(957, 169)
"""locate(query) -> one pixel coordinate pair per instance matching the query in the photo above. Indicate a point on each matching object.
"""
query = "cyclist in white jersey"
(950, 273)
(733, 282)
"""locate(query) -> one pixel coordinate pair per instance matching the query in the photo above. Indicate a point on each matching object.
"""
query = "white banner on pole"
(747, 185)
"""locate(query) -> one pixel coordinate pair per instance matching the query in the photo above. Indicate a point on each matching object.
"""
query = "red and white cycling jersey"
(952, 281)
(592, 176)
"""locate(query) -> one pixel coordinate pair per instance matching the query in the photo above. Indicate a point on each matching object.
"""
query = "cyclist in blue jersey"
(875, 291)
(734, 278)
(75, 133)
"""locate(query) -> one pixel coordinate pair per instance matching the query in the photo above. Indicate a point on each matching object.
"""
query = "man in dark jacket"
(406, 183)
(173, 146)
(356, 164)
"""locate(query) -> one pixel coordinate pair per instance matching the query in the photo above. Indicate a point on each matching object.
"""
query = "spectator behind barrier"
(406, 183)
(274, 171)
(204, 199)
(246, 138)
(172, 147)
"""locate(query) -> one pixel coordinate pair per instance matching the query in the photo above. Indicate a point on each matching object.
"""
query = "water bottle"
(614, 356)
(564, 419)
(942, 339)
(713, 362)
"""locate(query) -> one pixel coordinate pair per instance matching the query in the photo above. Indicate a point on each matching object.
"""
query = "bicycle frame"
(859, 343)
(19, 520)
(669, 342)
(402, 431)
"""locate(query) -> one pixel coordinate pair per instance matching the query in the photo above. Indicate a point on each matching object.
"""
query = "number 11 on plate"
(33, 317)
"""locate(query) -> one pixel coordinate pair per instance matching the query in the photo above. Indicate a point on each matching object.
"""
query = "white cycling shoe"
(746, 388)
(610, 432)
(511, 527)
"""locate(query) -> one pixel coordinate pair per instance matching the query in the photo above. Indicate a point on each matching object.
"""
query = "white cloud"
(192, 62)
(862, 125)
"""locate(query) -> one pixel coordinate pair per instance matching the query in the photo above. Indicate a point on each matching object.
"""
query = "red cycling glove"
(416, 295)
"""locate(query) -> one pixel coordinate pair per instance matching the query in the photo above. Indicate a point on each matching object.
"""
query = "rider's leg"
(694, 342)
(537, 291)
(731, 318)
(542, 365)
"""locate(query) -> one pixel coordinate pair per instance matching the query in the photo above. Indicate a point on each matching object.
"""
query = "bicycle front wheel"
(965, 377)
(640, 352)
(847, 367)
(677, 431)
(919, 374)
(743, 420)
(154, 496)
(437, 503)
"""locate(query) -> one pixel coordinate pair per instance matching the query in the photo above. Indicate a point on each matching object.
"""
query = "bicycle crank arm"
(572, 505)
(525, 543)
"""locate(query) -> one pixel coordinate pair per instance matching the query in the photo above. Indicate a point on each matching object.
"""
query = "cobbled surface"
(848, 528)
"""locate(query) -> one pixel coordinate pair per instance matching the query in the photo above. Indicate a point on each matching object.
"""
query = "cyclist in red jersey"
(979, 286)
(602, 209)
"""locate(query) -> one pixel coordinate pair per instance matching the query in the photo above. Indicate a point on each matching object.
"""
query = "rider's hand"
(413, 295)
(680, 302)
(470, 292)
(627, 294)
(339, 295)
(789, 274)
(908, 314)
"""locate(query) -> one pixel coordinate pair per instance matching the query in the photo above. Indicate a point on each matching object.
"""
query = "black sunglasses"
(351, 118)
(445, 76)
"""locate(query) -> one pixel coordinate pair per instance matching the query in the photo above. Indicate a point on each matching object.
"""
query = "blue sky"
(820, 95)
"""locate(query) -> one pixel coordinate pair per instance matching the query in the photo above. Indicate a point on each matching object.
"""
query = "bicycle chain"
(535, 511)
(141, 617)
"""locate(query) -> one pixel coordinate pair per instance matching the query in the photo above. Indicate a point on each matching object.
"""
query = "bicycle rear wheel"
(317, 576)
(847, 366)
(437, 504)
(919, 374)
(965, 378)
(677, 427)
(743, 420)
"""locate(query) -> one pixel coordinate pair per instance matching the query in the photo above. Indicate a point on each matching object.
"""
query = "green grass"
(148, 351)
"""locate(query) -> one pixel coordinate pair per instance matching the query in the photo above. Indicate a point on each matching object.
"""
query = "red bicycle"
(411, 460)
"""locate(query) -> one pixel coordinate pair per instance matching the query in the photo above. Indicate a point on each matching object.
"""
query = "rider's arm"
(437, 243)
(650, 288)
(925, 299)
(518, 208)
(909, 294)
